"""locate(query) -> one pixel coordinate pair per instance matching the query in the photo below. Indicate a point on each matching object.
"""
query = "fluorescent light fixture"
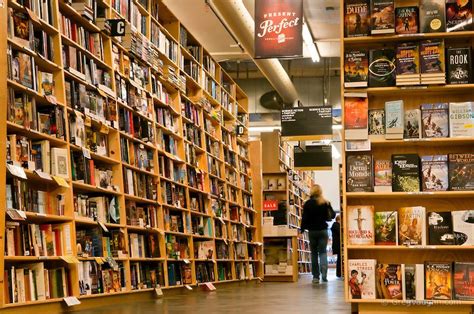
(309, 42)
(337, 127)
(264, 128)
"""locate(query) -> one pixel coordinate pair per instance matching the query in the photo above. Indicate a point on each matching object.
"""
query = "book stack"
(408, 64)
(432, 62)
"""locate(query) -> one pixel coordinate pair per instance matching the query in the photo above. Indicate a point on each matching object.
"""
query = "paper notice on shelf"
(158, 292)
(86, 153)
(17, 171)
(21, 213)
(101, 224)
(188, 287)
(61, 181)
(209, 286)
(71, 301)
(99, 260)
(358, 146)
(186, 261)
(43, 175)
(52, 99)
(221, 220)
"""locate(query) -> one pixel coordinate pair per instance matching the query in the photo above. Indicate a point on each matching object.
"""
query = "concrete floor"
(301, 297)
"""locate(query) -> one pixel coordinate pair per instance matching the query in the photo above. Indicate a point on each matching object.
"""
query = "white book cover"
(394, 117)
(361, 278)
(360, 225)
(20, 284)
(463, 227)
(461, 119)
(60, 162)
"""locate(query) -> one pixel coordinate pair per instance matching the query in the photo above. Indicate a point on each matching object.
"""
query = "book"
(406, 20)
(434, 173)
(382, 68)
(461, 119)
(394, 119)
(376, 123)
(458, 15)
(356, 68)
(413, 282)
(360, 225)
(405, 173)
(356, 18)
(438, 281)
(386, 228)
(359, 173)
(382, 17)
(411, 226)
(463, 227)
(412, 121)
(435, 120)
(461, 172)
(361, 280)
(389, 281)
(432, 16)
(382, 175)
(440, 228)
(459, 65)
(356, 118)
(59, 162)
(463, 281)
(408, 64)
(432, 62)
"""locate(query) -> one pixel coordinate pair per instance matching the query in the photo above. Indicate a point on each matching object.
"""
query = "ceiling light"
(309, 42)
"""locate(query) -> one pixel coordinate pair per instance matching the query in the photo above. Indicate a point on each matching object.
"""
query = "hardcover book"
(435, 120)
(459, 65)
(376, 122)
(361, 279)
(382, 68)
(383, 175)
(412, 122)
(408, 64)
(394, 119)
(413, 282)
(356, 117)
(463, 227)
(440, 228)
(434, 173)
(356, 68)
(407, 21)
(438, 281)
(461, 172)
(382, 17)
(432, 16)
(386, 228)
(405, 173)
(360, 225)
(458, 15)
(356, 18)
(411, 226)
(388, 281)
(59, 162)
(432, 62)
(461, 119)
(359, 173)
(463, 281)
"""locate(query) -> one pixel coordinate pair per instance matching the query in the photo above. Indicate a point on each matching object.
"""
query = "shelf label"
(60, 181)
(99, 260)
(158, 292)
(210, 286)
(186, 261)
(188, 287)
(101, 224)
(43, 175)
(17, 171)
(71, 301)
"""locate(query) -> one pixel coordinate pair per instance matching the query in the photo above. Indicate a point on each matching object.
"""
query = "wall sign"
(278, 28)
(306, 123)
(270, 205)
(314, 158)
(117, 27)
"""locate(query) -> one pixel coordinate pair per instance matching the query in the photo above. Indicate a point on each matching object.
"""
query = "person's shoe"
(315, 281)
(325, 280)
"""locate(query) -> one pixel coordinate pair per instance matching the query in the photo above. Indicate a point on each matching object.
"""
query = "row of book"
(139, 184)
(98, 208)
(136, 155)
(96, 242)
(410, 226)
(142, 246)
(146, 275)
(429, 281)
(88, 171)
(96, 278)
(372, 17)
(141, 216)
(88, 137)
(405, 173)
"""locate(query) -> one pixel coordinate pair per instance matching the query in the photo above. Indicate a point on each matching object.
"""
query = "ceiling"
(322, 16)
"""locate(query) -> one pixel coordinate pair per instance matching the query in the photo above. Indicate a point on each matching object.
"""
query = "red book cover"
(92, 172)
(356, 112)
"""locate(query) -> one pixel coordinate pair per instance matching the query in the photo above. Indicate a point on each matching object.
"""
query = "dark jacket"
(315, 216)
(336, 237)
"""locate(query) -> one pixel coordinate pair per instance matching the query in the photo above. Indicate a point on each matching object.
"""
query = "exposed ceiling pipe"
(241, 24)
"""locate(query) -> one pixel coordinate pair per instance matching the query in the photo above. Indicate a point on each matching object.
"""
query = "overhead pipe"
(241, 25)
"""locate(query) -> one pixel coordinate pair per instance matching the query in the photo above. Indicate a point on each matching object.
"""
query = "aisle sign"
(278, 28)
(306, 123)
(270, 205)
(314, 158)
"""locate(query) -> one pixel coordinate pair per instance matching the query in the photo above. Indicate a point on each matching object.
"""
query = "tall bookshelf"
(158, 188)
(445, 201)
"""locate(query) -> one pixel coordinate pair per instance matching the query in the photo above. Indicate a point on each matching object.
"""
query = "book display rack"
(407, 188)
(127, 156)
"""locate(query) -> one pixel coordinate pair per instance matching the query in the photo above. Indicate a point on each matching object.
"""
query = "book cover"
(359, 173)
(458, 15)
(408, 64)
(394, 117)
(432, 16)
(386, 228)
(59, 162)
(382, 68)
(22, 28)
(434, 173)
(360, 225)
(432, 60)
(412, 122)
(25, 69)
(389, 281)
(413, 282)
(411, 226)
(435, 120)
(461, 172)
(461, 119)
(463, 227)
(463, 281)
(440, 228)
(356, 18)
(382, 17)
(356, 117)
(405, 173)
(361, 279)
(406, 20)
(459, 65)
(356, 68)
(382, 175)
(438, 281)
(376, 122)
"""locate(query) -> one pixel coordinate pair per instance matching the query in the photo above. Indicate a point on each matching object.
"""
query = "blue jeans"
(318, 241)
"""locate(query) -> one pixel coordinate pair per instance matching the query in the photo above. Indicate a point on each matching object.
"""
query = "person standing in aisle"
(317, 211)
(336, 243)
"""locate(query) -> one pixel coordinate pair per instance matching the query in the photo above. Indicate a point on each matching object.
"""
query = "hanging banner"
(306, 123)
(278, 28)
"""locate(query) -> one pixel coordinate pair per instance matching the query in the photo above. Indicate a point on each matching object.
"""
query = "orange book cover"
(356, 112)
(438, 281)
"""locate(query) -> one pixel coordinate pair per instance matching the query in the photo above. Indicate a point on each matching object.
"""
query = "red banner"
(278, 28)
(270, 205)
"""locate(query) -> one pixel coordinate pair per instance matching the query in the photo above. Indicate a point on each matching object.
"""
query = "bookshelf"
(442, 201)
(148, 184)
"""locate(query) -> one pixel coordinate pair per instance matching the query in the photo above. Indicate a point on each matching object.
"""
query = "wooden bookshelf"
(413, 97)
(193, 165)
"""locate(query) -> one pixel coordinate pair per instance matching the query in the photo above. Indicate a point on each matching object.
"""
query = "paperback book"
(382, 17)
(382, 68)
(394, 119)
(382, 175)
(435, 120)
(459, 68)
(413, 282)
(356, 68)
(432, 62)
(376, 123)
(356, 118)
(463, 281)
(411, 226)
(406, 173)
(360, 229)
(407, 21)
(412, 122)
(432, 16)
(356, 18)
(389, 281)
(461, 172)
(408, 64)
(386, 228)
(440, 228)
(361, 279)
(359, 173)
(458, 15)
(461, 119)
(463, 227)
(434, 173)
(438, 281)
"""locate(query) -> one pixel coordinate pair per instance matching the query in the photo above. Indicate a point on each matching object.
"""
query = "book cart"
(412, 97)
(178, 169)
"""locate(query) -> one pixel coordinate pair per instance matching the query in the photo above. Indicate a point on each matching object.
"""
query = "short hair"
(354, 272)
